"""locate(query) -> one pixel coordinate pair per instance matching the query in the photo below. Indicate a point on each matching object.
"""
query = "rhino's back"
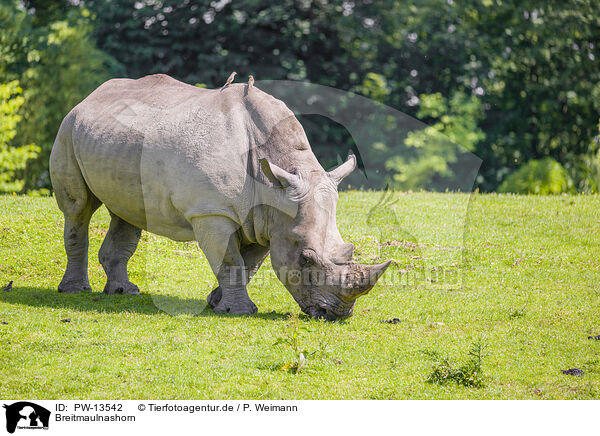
(150, 148)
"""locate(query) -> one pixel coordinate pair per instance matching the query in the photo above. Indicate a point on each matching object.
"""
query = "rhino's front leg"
(217, 238)
(253, 256)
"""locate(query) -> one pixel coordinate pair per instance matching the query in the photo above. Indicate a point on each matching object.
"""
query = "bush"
(543, 176)
(13, 160)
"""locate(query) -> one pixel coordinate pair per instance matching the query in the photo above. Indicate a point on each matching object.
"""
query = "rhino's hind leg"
(76, 278)
(253, 256)
(78, 204)
(217, 238)
(116, 250)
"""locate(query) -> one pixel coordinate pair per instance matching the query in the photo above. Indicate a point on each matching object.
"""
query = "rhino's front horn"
(377, 271)
(361, 278)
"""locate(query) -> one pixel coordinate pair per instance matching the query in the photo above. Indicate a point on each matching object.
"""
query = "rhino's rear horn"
(343, 254)
(278, 176)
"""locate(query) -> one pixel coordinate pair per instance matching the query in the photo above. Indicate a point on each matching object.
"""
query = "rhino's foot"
(74, 286)
(115, 287)
(214, 297)
(244, 307)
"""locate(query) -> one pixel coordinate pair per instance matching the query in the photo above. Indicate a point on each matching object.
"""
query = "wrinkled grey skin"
(230, 169)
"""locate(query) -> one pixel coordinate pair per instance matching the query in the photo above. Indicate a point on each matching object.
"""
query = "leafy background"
(515, 82)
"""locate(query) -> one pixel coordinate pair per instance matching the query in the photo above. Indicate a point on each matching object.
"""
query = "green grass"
(528, 291)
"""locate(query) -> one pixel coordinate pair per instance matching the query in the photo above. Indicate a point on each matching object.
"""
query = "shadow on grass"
(104, 303)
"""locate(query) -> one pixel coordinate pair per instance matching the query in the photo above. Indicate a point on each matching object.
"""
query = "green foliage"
(432, 151)
(13, 160)
(469, 374)
(532, 67)
(203, 42)
(537, 64)
(543, 176)
(57, 64)
(375, 87)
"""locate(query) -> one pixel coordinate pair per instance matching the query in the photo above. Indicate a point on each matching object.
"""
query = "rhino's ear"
(337, 174)
(278, 176)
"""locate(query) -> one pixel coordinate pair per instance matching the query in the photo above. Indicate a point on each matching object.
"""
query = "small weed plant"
(469, 374)
(295, 338)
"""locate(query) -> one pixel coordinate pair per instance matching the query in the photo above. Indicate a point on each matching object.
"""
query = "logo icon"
(26, 415)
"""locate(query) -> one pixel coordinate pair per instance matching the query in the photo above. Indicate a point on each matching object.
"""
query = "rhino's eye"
(306, 258)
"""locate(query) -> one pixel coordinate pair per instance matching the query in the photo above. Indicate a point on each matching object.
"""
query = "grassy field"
(525, 288)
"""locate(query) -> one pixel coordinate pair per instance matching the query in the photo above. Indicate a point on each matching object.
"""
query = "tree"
(358, 46)
(532, 65)
(435, 151)
(539, 71)
(57, 65)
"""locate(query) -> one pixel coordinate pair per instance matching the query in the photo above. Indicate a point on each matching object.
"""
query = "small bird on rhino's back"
(229, 80)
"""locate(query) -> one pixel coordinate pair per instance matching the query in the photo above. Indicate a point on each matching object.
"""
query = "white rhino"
(230, 168)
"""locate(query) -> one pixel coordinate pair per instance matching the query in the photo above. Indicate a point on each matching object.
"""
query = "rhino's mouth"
(321, 313)
(330, 312)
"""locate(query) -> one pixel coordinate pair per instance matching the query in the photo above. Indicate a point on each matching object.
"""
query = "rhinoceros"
(230, 168)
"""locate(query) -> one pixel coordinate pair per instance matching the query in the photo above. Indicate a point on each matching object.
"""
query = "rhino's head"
(307, 251)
